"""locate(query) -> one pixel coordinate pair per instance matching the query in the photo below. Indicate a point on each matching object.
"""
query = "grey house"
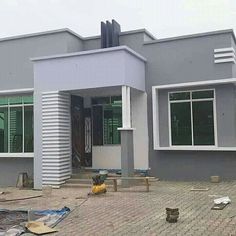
(120, 101)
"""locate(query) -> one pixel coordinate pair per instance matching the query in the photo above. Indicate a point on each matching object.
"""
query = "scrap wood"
(199, 189)
(18, 199)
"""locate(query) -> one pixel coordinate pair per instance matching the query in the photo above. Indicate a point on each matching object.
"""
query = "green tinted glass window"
(112, 120)
(3, 129)
(16, 129)
(3, 101)
(15, 100)
(179, 96)
(203, 94)
(181, 123)
(28, 129)
(203, 123)
(28, 99)
(116, 100)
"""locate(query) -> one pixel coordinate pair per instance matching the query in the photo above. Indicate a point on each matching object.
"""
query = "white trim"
(196, 148)
(89, 52)
(169, 121)
(224, 55)
(217, 61)
(16, 155)
(122, 129)
(231, 49)
(191, 118)
(128, 107)
(198, 83)
(23, 129)
(228, 54)
(215, 120)
(17, 91)
(126, 111)
(155, 110)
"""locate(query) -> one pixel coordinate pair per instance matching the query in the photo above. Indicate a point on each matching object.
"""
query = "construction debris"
(221, 203)
(199, 189)
(39, 228)
(172, 215)
(15, 221)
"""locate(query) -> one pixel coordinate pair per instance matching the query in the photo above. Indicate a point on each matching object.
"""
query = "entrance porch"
(90, 111)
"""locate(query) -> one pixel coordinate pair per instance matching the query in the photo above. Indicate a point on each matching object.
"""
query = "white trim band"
(17, 91)
(224, 55)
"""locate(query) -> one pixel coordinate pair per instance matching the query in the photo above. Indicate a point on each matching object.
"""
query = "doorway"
(81, 134)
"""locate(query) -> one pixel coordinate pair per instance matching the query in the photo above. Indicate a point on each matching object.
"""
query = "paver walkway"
(132, 212)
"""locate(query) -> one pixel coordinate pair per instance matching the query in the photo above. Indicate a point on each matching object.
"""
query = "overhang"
(116, 66)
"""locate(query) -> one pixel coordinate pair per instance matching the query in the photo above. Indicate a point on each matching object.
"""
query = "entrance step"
(82, 183)
(79, 181)
(76, 185)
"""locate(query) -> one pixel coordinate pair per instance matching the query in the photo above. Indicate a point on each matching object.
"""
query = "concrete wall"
(16, 72)
(188, 60)
(140, 124)
(11, 167)
(97, 69)
(17, 69)
(106, 157)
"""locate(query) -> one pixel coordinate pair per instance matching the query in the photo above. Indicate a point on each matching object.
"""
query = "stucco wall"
(10, 168)
(140, 133)
(189, 60)
(16, 72)
(17, 69)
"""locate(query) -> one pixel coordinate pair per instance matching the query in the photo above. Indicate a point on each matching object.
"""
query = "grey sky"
(163, 18)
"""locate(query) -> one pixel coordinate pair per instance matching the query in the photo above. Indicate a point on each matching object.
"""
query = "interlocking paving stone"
(132, 211)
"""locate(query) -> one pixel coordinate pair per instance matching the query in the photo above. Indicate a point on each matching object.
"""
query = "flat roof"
(73, 33)
(41, 34)
(193, 36)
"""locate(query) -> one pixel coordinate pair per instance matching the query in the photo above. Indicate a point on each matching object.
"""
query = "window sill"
(17, 155)
(197, 148)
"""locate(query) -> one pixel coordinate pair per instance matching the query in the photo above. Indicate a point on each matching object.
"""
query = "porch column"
(127, 146)
(56, 138)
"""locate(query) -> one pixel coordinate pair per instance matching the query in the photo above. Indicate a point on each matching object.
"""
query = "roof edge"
(41, 34)
(89, 52)
(125, 33)
(226, 31)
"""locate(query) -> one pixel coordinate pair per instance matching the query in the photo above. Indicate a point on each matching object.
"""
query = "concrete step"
(79, 181)
(76, 185)
(79, 185)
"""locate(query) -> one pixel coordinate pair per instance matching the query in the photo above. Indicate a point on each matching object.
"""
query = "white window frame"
(9, 106)
(155, 110)
(191, 114)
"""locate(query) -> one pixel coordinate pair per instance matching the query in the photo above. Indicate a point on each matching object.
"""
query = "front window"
(107, 117)
(192, 117)
(16, 124)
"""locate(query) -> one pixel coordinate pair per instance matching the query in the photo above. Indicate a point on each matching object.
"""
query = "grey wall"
(16, 68)
(11, 167)
(193, 165)
(189, 60)
(16, 72)
(113, 67)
